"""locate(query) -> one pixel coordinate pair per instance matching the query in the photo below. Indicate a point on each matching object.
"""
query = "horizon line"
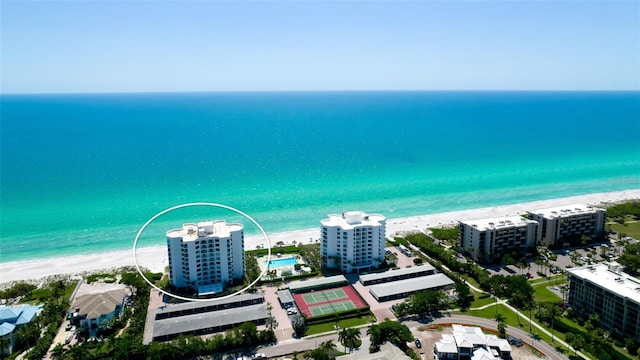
(134, 92)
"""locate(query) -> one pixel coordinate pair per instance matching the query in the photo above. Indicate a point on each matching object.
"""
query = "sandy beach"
(155, 258)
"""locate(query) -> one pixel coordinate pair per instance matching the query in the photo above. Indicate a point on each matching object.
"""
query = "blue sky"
(144, 46)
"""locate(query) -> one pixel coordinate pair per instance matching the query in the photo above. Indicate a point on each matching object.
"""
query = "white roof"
(447, 345)
(494, 341)
(410, 285)
(483, 354)
(398, 272)
(616, 282)
(353, 219)
(566, 210)
(205, 229)
(498, 222)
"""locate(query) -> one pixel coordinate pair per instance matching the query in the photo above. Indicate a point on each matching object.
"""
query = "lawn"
(630, 228)
(330, 326)
(542, 294)
(481, 300)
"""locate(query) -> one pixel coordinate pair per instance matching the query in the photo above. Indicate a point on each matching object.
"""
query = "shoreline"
(155, 258)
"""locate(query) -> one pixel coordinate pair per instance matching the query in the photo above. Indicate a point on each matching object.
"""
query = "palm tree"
(58, 352)
(375, 336)
(326, 351)
(349, 338)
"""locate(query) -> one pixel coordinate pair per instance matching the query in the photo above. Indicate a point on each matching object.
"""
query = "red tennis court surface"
(321, 298)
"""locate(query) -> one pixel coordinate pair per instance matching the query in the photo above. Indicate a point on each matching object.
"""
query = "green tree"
(349, 337)
(464, 294)
(427, 301)
(299, 325)
(375, 335)
(392, 331)
(326, 351)
(576, 341)
(58, 352)
(502, 329)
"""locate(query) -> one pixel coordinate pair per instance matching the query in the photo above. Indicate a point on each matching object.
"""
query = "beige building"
(559, 224)
(488, 239)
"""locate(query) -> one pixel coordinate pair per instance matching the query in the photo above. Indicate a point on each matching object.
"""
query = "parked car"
(418, 343)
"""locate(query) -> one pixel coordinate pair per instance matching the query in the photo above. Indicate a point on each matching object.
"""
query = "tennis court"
(331, 307)
(322, 302)
(324, 296)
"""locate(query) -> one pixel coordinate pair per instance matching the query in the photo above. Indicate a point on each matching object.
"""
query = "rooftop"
(498, 222)
(96, 305)
(18, 315)
(205, 229)
(566, 210)
(353, 219)
(399, 272)
(409, 285)
(200, 304)
(300, 285)
(616, 282)
(189, 323)
(387, 352)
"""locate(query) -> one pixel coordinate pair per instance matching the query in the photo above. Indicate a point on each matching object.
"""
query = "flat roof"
(353, 219)
(285, 296)
(199, 304)
(498, 222)
(317, 282)
(566, 210)
(409, 285)
(189, 323)
(398, 272)
(205, 229)
(618, 283)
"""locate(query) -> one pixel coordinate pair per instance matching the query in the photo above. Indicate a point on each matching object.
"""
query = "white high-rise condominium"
(353, 241)
(206, 256)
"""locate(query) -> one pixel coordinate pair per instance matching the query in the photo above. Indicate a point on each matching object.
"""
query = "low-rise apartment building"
(488, 239)
(561, 223)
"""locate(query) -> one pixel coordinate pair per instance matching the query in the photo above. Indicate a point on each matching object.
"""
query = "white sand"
(155, 258)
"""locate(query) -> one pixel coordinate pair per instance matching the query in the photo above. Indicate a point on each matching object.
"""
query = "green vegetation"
(289, 249)
(395, 332)
(630, 258)
(18, 289)
(350, 338)
(423, 302)
(446, 233)
(622, 210)
(631, 229)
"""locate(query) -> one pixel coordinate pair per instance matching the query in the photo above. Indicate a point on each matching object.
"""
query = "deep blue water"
(81, 173)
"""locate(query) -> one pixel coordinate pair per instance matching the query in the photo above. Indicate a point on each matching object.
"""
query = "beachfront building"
(12, 318)
(206, 256)
(605, 290)
(564, 223)
(353, 241)
(91, 311)
(489, 239)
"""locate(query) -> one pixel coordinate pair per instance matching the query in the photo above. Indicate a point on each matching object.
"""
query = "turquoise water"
(82, 173)
(278, 262)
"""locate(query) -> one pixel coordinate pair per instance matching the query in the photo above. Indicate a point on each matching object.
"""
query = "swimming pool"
(278, 262)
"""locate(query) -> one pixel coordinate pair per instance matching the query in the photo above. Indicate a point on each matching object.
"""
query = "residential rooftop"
(609, 277)
(409, 285)
(498, 222)
(566, 210)
(317, 283)
(353, 219)
(398, 272)
(205, 229)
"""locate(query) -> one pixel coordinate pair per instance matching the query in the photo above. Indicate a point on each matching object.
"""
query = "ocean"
(82, 173)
